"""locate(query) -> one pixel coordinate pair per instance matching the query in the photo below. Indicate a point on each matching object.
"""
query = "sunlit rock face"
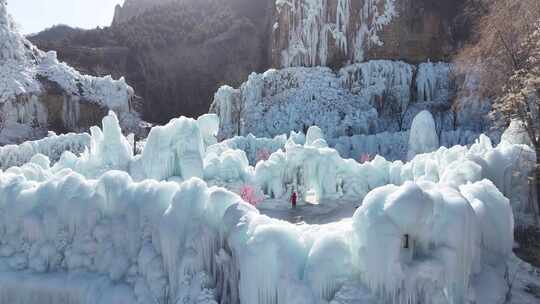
(335, 32)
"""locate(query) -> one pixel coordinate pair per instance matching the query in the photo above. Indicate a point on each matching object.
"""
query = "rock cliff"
(176, 53)
(336, 32)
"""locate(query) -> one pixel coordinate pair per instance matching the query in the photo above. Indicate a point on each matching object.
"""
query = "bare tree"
(496, 48)
(505, 53)
(521, 96)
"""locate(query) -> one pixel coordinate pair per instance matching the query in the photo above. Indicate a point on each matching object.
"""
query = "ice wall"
(52, 146)
(153, 241)
(434, 82)
(360, 99)
(26, 74)
(168, 242)
(312, 28)
(173, 150)
(393, 146)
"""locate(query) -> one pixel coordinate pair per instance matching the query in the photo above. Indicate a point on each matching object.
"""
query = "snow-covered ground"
(112, 227)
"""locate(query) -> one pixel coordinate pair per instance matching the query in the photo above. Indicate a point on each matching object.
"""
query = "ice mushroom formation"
(109, 226)
(423, 137)
(39, 93)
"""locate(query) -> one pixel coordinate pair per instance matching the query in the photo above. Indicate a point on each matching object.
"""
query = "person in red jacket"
(293, 199)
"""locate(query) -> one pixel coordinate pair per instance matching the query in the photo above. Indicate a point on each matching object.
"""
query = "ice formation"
(148, 229)
(360, 99)
(52, 146)
(24, 73)
(315, 25)
(423, 137)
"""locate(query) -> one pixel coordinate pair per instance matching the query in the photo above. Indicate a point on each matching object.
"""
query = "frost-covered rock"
(39, 91)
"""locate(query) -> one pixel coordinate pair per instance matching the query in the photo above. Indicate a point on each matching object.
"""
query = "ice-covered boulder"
(423, 136)
(314, 134)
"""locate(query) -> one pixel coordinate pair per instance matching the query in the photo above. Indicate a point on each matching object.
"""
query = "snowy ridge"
(183, 241)
(52, 147)
(312, 27)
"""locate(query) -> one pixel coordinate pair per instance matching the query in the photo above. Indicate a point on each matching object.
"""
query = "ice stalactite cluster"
(425, 231)
(390, 145)
(252, 146)
(360, 99)
(394, 145)
(52, 146)
(433, 82)
(315, 168)
(173, 150)
(313, 27)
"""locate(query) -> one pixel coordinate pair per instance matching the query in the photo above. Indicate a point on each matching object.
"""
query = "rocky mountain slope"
(39, 93)
(176, 54)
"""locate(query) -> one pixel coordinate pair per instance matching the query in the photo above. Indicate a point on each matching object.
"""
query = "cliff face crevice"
(177, 54)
